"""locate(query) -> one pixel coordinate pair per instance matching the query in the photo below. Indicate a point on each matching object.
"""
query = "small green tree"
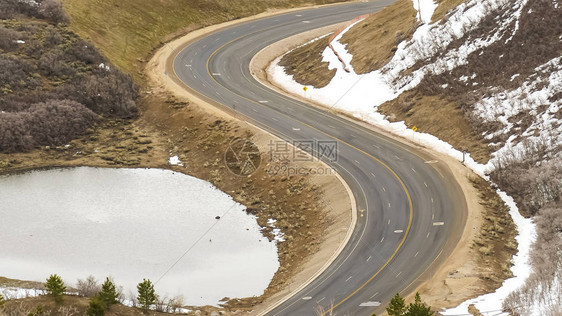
(146, 295)
(397, 306)
(97, 306)
(419, 308)
(2, 301)
(108, 292)
(55, 287)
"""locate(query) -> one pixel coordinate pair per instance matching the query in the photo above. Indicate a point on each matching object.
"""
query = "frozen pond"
(132, 224)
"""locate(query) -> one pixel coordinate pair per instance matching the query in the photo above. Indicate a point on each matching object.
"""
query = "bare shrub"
(8, 38)
(16, 74)
(88, 287)
(53, 122)
(110, 92)
(53, 11)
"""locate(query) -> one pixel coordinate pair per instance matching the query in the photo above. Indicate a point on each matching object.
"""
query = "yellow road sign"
(415, 128)
(305, 88)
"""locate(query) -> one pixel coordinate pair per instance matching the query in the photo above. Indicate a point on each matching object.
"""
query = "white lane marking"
(399, 231)
(321, 300)
(389, 221)
(296, 129)
(275, 119)
(216, 74)
(399, 274)
(432, 200)
(306, 22)
(368, 258)
(218, 39)
(352, 136)
(218, 93)
(432, 216)
(306, 298)
(263, 101)
(438, 223)
(414, 170)
(373, 175)
(331, 126)
(370, 304)
(427, 235)
(432, 161)
(374, 295)
(425, 184)
(290, 109)
(348, 278)
(187, 65)
(203, 47)
(298, 15)
(235, 101)
(256, 111)
(417, 253)
(382, 238)
(388, 204)
(357, 162)
(194, 76)
(384, 189)
(377, 147)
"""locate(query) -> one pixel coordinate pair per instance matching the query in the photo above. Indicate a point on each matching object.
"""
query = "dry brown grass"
(439, 117)
(305, 65)
(444, 6)
(127, 31)
(373, 41)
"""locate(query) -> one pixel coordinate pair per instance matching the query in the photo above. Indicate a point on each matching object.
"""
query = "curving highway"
(412, 211)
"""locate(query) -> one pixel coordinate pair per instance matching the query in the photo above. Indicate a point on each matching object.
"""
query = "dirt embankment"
(482, 258)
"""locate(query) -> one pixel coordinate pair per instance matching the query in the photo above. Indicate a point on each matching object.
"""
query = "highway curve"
(412, 211)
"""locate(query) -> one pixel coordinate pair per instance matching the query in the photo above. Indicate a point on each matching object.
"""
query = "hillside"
(483, 76)
(127, 31)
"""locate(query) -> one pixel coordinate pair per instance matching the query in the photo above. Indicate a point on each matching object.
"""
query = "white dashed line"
(425, 184)
(398, 274)
(368, 258)
(431, 200)
(374, 295)
(389, 205)
(306, 22)
(263, 101)
(417, 253)
(348, 278)
(427, 235)
(370, 304)
(373, 175)
(357, 162)
(321, 300)
(414, 170)
(389, 221)
(296, 129)
(276, 120)
(377, 147)
(398, 231)
(256, 111)
(382, 238)
(216, 74)
(384, 189)
(306, 298)
(438, 223)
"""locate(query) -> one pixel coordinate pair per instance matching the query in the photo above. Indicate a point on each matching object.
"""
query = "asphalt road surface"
(411, 211)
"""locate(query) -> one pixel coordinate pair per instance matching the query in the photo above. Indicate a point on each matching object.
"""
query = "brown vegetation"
(305, 64)
(53, 85)
(372, 42)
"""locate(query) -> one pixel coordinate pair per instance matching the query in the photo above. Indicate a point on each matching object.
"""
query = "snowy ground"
(132, 224)
(355, 94)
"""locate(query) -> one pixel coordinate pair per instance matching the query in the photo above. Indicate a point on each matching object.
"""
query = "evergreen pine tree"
(55, 287)
(397, 306)
(108, 292)
(97, 306)
(2, 301)
(419, 308)
(146, 295)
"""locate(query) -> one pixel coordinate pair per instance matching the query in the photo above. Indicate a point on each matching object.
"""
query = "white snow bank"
(425, 9)
(175, 161)
(14, 293)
